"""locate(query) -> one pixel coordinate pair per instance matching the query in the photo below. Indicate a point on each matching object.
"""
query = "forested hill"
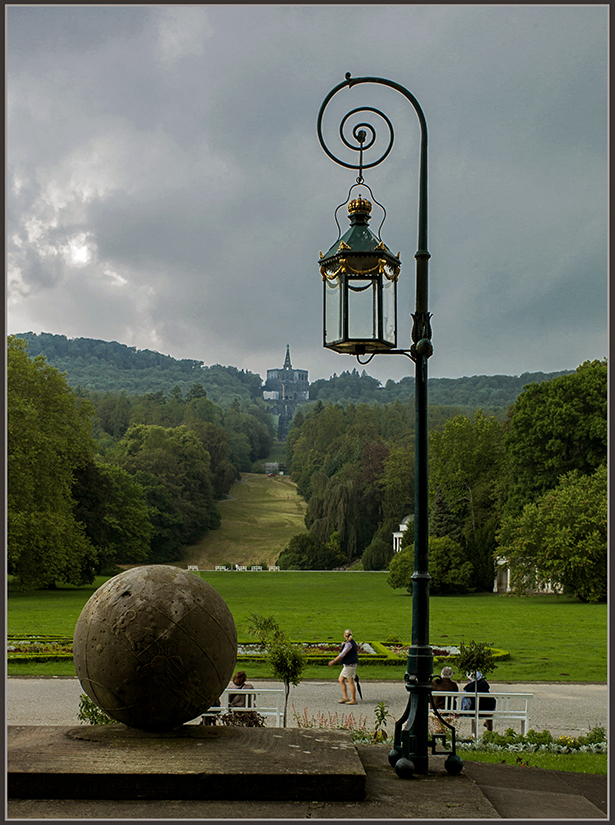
(489, 392)
(106, 366)
(103, 366)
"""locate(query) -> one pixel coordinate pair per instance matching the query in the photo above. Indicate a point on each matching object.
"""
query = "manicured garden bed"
(32, 648)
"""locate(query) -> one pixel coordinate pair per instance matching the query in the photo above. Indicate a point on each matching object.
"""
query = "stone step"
(191, 762)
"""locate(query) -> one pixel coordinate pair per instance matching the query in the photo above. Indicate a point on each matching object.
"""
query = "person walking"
(349, 657)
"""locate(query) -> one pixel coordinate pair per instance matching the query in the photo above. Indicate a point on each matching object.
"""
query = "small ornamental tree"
(449, 568)
(474, 658)
(264, 628)
(401, 569)
(287, 660)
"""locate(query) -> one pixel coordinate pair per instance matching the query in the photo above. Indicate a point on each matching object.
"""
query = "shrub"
(242, 719)
(449, 568)
(90, 712)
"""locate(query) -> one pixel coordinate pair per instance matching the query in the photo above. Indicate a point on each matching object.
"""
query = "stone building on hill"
(285, 389)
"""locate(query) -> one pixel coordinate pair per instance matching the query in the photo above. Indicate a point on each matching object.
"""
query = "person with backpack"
(349, 657)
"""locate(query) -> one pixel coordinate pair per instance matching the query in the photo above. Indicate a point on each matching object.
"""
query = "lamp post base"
(412, 731)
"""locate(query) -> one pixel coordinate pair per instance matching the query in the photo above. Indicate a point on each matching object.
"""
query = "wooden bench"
(268, 702)
(512, 707)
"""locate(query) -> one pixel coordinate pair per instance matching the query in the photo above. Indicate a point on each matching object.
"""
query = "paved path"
(481, 791)
(563, 709)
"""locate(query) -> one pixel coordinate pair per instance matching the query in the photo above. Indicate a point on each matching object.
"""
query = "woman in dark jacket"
(478, 684)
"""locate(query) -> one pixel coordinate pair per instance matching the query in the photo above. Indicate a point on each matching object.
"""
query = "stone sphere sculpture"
(154, 647)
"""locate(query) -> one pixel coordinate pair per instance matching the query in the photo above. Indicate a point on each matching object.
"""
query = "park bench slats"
(512, 707)
(267, 702)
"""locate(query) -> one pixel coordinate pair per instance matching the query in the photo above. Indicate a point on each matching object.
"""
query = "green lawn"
(575, 762)
(550, 638)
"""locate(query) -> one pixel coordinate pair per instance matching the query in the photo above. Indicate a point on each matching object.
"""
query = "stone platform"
(194, 762)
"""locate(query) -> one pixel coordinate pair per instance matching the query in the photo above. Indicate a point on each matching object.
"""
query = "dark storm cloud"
(167, 189)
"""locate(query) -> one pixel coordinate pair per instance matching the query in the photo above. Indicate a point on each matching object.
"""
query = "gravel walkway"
(563, 709)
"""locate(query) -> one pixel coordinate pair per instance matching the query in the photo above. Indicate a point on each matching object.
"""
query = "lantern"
(359, 276)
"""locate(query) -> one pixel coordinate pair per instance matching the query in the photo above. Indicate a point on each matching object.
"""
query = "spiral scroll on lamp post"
(410, 750)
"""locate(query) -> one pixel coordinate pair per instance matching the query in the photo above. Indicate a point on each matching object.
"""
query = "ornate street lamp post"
(360, 277)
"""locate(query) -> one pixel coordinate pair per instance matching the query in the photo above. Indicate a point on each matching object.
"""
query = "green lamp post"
(360, 275)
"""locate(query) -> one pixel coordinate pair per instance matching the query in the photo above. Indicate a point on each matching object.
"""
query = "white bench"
(513, 707)
(221, 567)
(267, 702)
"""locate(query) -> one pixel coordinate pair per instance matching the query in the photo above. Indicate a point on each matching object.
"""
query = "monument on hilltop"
(285, 389)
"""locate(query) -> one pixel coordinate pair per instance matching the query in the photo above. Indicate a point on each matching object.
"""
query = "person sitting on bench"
(236, 700)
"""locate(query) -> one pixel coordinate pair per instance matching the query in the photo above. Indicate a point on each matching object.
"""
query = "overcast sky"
(166, 188)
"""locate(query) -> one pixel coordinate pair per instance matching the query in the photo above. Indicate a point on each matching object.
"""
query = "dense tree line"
(354, 465)
(242, 432)
(510, 489)
(491, 393)
(97, 480)
(107, 366)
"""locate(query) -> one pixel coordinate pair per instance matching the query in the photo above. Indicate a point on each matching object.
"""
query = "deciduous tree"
(561, 538)
(554, 427)
(111, 505)
(49, 436)
(180, 464)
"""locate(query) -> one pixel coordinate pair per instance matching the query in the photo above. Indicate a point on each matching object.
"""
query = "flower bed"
(38, 648)
(445, 654)
(539, 741)
(321, 653)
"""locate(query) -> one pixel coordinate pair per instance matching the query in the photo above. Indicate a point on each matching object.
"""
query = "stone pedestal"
(192, 762)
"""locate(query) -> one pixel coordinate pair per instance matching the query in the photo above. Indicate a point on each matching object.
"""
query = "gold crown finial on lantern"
(359, 205)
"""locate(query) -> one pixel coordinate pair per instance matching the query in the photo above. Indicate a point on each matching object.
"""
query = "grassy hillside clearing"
(258, 520)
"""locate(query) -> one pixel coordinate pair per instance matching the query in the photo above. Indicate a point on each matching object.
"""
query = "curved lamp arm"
(422, 255)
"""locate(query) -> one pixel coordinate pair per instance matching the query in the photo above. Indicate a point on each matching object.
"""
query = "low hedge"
(383, 654)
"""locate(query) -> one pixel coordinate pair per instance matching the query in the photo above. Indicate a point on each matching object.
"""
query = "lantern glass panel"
(389, 289)
(362, 314)
(334, 326)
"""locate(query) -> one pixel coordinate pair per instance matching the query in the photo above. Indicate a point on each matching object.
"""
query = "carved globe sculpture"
(154, 647)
